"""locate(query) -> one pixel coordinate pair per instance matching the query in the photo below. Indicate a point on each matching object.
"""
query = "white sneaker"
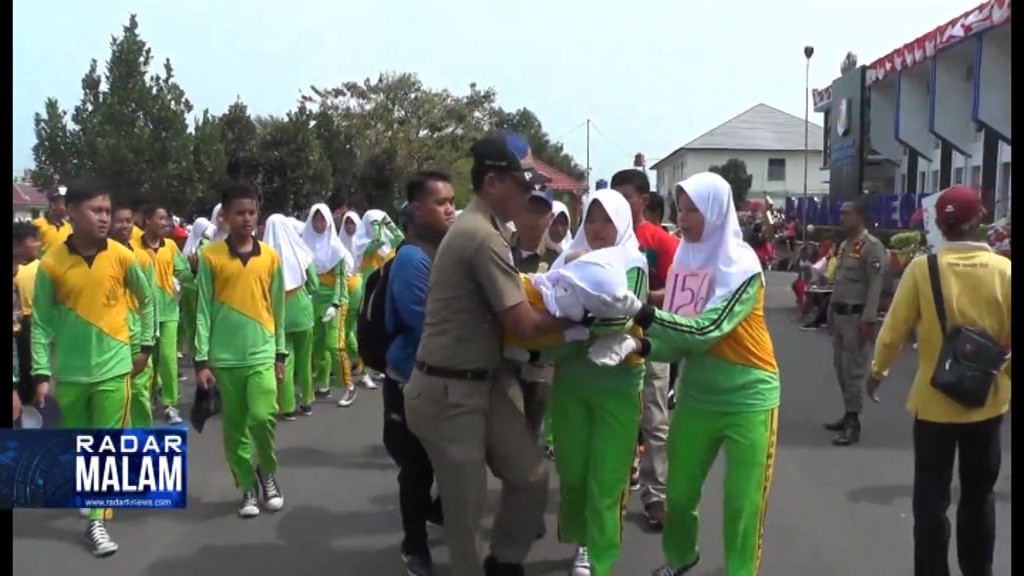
(369, 383)
(348, 397)
(102, 544)
(581, 562)
(172, 416)
(273, 498)
(250, 507)
(85, 513)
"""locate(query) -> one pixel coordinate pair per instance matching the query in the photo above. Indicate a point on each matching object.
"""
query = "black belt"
(847, 309)
(453, 373)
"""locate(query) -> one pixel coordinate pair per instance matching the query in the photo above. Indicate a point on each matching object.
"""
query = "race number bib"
(687, 292)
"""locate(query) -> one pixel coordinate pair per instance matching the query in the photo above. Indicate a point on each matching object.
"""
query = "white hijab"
(364, 235)
(201, 229)
(721, 249)
(295, 256)
(326, 247)
(625, 239)
(347, 238)
(297, 225)
(556, 209)
(217, 233)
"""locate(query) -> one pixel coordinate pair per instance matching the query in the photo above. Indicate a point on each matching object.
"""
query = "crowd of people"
(498, 334)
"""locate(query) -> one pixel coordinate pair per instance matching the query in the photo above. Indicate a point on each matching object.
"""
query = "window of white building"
(776, 169)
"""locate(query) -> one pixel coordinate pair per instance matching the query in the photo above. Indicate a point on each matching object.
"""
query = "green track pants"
(249, 411)
(693, 444)
(594, 433)
(297, 368)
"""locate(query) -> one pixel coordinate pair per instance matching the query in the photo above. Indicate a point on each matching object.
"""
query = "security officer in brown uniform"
(463, 401)
(532, 256)
(853, 315)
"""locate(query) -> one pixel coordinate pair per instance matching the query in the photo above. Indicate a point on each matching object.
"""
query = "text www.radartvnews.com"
(128, 503)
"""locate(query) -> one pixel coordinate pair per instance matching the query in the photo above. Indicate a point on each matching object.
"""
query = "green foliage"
(355, 143)
(735, 173)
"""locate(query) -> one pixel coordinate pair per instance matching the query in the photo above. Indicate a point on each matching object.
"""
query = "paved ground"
(834, 512)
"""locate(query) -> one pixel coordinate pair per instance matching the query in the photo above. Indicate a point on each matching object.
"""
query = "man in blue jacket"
(430, 211)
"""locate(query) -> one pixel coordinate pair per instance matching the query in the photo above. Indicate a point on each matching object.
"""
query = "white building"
(769, 141)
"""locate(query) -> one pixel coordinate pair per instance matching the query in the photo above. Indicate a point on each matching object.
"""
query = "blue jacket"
(405, 307)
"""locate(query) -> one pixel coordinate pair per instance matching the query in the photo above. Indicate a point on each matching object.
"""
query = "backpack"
(372, 333)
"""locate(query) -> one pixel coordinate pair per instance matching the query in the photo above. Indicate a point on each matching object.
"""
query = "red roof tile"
(28, 196)
(560, 181)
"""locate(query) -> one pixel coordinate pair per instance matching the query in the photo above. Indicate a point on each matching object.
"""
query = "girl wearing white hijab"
(729, 388)
(595, 411)
(198, 237)
(349, 226)
(375, 241)
(329, 300)
(300, 278)
(557, 237)
(220, 230)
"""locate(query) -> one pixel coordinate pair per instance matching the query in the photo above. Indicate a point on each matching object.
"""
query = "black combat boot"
(838, 424)
(850, 434)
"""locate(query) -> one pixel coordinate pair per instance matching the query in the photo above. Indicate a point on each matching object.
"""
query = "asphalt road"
(834, 511)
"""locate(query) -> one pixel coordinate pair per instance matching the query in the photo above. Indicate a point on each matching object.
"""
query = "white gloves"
(177, 285)
(623, 305)
(612, 350)
(576, 334)
(330, 315)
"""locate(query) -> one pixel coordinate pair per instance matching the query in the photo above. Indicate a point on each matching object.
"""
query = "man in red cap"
(975, 293)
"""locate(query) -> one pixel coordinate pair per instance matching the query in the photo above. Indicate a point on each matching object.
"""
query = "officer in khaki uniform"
(853, 315)
(532, 256)
(463, 401)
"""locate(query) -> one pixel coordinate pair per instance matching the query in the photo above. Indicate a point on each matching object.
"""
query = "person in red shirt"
(660, 248)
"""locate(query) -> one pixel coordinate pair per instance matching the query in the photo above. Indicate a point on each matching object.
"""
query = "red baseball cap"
(958, 205)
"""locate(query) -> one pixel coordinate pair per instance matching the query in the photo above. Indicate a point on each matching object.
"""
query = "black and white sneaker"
(667, 570)
(288, 416)
(250, 507)
(102, 544)
(172, 416)
(418, 565)
(273, 499)
(348, 397)
(305, 409)
(322, 393)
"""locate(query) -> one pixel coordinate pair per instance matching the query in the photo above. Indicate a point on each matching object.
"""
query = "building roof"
(560, 181)
(28, 196)
(761, 128)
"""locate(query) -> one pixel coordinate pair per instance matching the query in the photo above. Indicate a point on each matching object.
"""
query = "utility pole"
(588, 153)
(808, 52)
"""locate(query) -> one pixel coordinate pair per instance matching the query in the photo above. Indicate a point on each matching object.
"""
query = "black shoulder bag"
(969, 359)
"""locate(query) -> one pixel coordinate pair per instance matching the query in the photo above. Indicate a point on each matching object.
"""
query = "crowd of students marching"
(107, 302)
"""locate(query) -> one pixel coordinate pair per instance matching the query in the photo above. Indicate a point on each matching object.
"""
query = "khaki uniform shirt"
(473, 279)
(860, 271)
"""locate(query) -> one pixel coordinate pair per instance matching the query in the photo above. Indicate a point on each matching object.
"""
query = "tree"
(239, 137)
(208, 159)
(294, 173)
(734, 171)
(172, 159)
(849, 63)
(54, 152)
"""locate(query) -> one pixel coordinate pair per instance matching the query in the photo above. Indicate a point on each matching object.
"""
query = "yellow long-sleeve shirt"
(976, 289)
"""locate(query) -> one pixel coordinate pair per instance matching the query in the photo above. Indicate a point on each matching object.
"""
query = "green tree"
(172, 159)
(735, 173)
(240, 138)
(208, 159)
(54, 152)
(294, 174)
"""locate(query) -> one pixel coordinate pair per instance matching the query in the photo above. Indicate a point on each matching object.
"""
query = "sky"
(650, 76)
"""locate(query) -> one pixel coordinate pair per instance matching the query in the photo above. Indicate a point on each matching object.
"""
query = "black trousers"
(935, 448)
(415, 473)
(26, 389)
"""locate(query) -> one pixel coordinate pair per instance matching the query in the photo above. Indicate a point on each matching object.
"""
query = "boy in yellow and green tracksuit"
(171, 271)
(81, 308)
(141, 407)
(240, 345)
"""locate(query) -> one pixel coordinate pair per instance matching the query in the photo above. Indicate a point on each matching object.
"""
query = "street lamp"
(808, 52)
